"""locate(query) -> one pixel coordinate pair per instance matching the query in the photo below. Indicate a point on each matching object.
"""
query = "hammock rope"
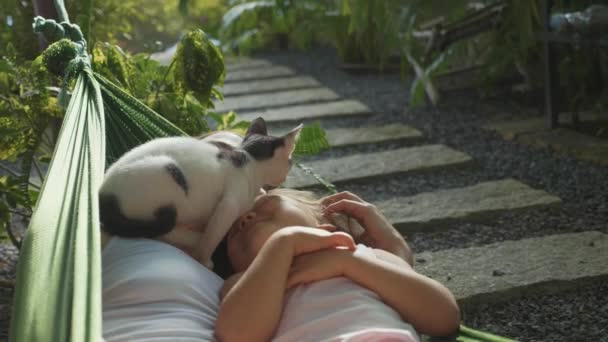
(58, 289)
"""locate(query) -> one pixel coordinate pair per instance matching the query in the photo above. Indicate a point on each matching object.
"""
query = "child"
(298, 283)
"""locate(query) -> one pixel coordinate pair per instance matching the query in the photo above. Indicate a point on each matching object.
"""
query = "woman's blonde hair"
(307, 198)
(311, 201)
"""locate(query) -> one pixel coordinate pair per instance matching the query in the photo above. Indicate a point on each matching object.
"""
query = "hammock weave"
(58, 289)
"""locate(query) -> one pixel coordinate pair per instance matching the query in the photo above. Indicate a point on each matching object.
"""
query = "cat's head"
(273, 153)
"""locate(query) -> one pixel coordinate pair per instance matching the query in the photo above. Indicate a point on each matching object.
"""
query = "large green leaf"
(237, 12)
(312, 140)
(199, 66)
(423, 86)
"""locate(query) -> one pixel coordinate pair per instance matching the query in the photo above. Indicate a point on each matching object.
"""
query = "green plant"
(368, 31)
(27, 112)
(250, 25)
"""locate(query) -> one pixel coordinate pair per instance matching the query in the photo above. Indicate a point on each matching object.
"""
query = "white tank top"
(337, 309)
(153, 291)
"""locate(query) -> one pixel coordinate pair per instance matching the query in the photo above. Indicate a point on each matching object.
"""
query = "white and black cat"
(203, 183)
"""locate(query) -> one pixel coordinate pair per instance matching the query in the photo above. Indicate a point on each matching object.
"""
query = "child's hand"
(379, 233)
(315, 266)
(308, 239)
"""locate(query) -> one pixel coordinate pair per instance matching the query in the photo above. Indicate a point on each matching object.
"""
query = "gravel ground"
(576, 315)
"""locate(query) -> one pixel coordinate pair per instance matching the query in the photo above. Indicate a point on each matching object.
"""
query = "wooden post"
(551, 72)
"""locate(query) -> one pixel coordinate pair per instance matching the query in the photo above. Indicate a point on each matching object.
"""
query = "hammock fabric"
(58, 291)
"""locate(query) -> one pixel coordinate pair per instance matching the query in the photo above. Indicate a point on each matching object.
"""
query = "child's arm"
(251, 309)
(421, 301)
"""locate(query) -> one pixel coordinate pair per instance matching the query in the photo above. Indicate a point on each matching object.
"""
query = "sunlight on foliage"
(113, 63)
(199, 65)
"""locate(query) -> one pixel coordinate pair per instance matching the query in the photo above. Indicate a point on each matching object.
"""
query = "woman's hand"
(308, 239)
(319, 265)
(379, 233)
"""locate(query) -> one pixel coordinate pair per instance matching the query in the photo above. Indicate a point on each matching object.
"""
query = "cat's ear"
(258, 126)
(291, 138)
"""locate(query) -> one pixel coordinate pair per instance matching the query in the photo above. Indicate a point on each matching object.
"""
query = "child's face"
(269, 214)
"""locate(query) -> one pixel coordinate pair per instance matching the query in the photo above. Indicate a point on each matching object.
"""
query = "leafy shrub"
(250, 25)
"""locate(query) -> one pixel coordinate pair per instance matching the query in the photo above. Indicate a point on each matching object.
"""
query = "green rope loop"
(67, 55)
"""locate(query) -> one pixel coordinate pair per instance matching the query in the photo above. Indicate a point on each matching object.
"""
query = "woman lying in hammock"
(297, 283)
(154, 291)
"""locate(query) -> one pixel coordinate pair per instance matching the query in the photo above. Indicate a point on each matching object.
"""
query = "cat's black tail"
(116, 223)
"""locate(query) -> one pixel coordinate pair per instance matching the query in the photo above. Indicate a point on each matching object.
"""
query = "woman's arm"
(421, 301)
(379, 232)
(252, 307)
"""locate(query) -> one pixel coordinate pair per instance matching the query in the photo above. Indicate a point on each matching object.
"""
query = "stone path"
(491, 273)
(364, 166)
(335, 109)
(258, 73)
(534, 132)
(282, 98)
(276, 84)
(433, 210)
(501, 271)
(341, 137)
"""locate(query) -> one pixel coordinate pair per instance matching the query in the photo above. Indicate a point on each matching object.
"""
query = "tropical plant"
(137, 27)
(27, 112)
(368, 31)
(250, 25)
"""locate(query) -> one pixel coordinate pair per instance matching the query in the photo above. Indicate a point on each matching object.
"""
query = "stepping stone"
(512, 129)
(534, 132)
(502, 271)
(258, 73)
(432, 210)
(381, 164)
(246, 63)
(274, 84)
(283, 98)
(336, 109)
(368, 135)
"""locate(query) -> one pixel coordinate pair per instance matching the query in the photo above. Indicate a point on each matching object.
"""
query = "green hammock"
(58, 288)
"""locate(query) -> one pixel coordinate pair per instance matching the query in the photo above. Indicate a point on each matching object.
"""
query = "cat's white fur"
(218, 192)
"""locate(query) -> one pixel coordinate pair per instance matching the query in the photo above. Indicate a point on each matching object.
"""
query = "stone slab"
(273, 84)
(568, 142)
(283, 98)
(511, 129)
(246, 63)
(505, 270)
(335, 109)
(258, 73)
(433, 210)
(534, 132)
(373, 134)
(380, 164)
